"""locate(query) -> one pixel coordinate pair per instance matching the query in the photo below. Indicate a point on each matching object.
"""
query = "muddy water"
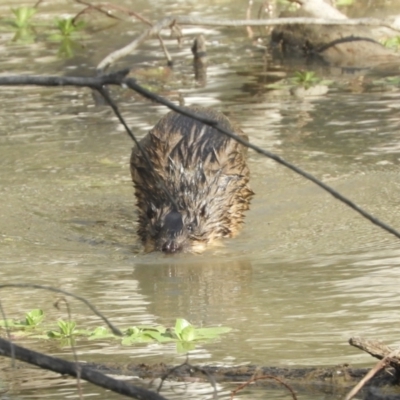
(305, 274)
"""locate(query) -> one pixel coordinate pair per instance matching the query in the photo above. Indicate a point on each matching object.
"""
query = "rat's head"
(173, 235)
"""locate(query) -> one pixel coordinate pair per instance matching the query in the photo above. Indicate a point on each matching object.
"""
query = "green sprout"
(34, 318)
(66, 330)
(23, 16)
(184, 334)
(306, 79)
(392, 43)
(67, 27)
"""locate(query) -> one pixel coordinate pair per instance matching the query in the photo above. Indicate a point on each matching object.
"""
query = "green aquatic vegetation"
(33, 318)
(66, 329)
(184, 334)
(344, 3)
(392, 43)
(100, 333)
(67, 29)
(24, 327)
(66, 34)
(145, 334)
(67, 47)
(305, 79)
(21, 23)
(25, 32)
(22, 17)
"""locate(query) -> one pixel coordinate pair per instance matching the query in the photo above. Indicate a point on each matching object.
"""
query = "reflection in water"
(205, 293)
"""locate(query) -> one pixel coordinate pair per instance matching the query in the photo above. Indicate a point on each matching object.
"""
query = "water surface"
(305, 274)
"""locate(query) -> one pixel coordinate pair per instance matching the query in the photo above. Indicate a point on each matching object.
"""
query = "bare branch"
(73, 349)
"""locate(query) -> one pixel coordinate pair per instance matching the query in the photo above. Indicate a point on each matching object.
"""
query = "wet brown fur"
(205, 172)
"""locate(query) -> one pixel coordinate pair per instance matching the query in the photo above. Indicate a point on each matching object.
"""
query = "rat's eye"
(151, 211)
(191, 227)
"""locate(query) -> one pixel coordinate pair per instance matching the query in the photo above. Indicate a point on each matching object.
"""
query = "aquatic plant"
(392, 43)
(184, 334)
(32, 319)
(67, 26)
(305, 78)
(22, 16)
(66, 329)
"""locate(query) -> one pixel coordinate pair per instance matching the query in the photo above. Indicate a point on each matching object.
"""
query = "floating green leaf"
(184, 334)
(9, 323)
(100, 333)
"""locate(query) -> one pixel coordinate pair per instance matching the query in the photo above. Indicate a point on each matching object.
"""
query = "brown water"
(305, 274)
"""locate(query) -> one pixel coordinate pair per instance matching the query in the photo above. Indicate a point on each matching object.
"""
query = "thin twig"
(100, 8)
(152, 96)
(160, 182)
(96, 8)
(8, 333)
(77, 366)
(104, 9)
